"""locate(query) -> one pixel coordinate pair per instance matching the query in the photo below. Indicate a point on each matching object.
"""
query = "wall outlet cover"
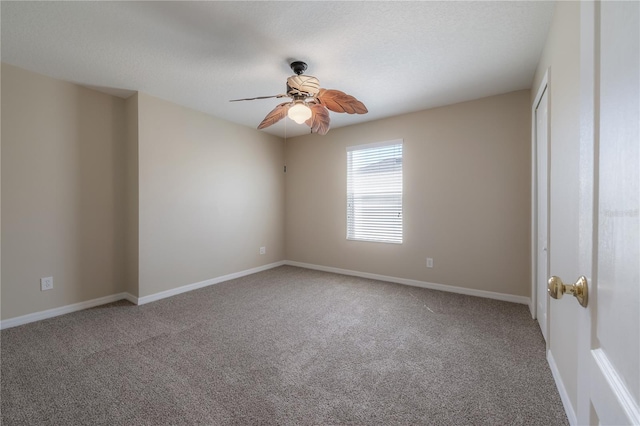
(46, 283)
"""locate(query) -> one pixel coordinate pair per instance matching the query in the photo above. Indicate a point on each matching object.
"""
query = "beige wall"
(139, 195)
(142, 195)
(0, 194)
(211, 193)
(561, 56)
(466, 196)
(131, 194)
(62, 192)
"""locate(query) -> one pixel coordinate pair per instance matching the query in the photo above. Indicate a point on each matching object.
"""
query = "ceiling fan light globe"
(299, 113)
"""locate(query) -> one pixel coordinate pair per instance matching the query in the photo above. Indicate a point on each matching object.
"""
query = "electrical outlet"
(263, 250)
(429, 262)
(46, 283)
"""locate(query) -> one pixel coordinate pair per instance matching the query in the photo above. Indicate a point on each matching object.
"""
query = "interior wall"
(131, 193)
(62, 192)
(211, 193)
(142, 195)
(561, 55)
(466, 196)
(1, 193)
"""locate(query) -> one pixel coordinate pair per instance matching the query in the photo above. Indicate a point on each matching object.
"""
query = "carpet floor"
(284, 346)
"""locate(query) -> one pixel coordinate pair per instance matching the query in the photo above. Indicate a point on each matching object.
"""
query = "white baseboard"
(564, 396)
(50, 313)
(415, 283)
(532, 309)
(37, 316)
(206, 283)
(131, 298)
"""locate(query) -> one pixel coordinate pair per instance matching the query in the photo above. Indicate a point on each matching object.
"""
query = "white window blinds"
(374, 192)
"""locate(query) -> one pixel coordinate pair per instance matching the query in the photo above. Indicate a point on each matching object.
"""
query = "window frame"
(387, 235)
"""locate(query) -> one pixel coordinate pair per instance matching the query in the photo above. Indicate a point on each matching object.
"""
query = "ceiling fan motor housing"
(302, 86)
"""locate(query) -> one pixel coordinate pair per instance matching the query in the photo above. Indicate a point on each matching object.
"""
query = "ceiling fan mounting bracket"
(298, 67)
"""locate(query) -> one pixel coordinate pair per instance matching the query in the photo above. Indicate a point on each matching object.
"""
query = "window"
(374, 192)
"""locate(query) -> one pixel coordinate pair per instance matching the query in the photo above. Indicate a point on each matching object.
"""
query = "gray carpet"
(284, 346)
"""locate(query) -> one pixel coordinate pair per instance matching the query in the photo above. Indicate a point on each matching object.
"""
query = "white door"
(542, 213)
(609, 328)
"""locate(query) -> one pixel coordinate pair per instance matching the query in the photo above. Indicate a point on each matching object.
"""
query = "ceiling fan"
(310, 104)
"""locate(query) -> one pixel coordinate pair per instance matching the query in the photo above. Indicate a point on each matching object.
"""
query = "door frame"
(544, 86)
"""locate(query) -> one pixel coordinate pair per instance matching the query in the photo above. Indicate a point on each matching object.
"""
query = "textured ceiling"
(396, 57)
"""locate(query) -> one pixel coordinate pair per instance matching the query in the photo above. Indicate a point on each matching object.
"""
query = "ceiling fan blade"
(276, 114)
(259, 97)
(338, 101)
(320, 120)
